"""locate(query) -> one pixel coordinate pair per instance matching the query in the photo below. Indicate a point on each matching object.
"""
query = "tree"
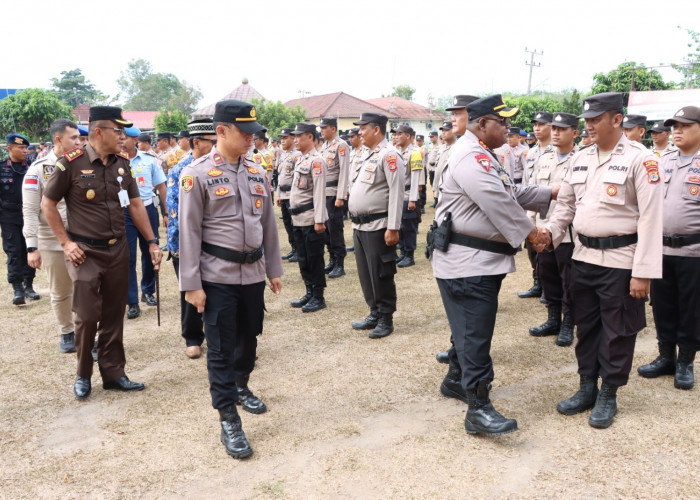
(145, 90)
(30, 112)
(74, 89)
(275, 116)
(627, 77)
(529, 106)
(691, 69)
(403, 91)
(170, 121)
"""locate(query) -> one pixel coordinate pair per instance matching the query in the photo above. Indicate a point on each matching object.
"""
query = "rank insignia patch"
(252, 170)
(86, 172)
(694, 178)
(214, 172)
(318, 167)
(259, 189)
(391, 163)
(218, 160)
(222, 191)
(258, 203)
(73, 154)
(652, 167)
(694, 190)
(483, 160)
(612, 190)
(342, 150)
(187, 183)
(123, 155)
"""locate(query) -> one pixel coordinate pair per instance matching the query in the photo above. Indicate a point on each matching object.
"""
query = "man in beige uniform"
(376, 202)
(413, 162)
(42, 246)
(659, 137)
(675, 297)
(231, 244)
(449, 139)
(431, 162)
(286, 159)
(307, 205)
(613, 196)
(634, 127)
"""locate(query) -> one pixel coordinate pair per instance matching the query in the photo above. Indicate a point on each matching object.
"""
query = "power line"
(532, 53)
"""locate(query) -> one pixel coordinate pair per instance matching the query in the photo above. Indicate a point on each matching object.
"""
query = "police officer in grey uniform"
(659, 138)
(226, 211)
(376, 202)
(634, 127)
(676, 296)
(286, 159)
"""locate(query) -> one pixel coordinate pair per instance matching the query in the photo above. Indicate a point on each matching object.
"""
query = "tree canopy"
(403, 91)
(30, 112)
(691, 69)
(629, 76)
(170, 121)
(275, 116)
(74, 89)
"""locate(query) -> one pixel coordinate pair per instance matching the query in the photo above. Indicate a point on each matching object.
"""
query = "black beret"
(598, 104)
(564, 120)
(631, 121)
(163, 135)
(377, 118)
(17, 140)
(491, 105)
(240, 113)
(110, 113)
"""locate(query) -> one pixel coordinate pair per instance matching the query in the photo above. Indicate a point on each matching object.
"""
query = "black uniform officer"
(12, 170)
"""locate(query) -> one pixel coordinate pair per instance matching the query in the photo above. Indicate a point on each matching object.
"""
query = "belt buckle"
(676, 241)
(112, 241)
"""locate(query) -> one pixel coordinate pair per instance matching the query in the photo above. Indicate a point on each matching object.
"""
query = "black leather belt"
(407, 188)
(331, 184)
(481, 244)
(285, 188)
(367, 218)
(301, 208)
(94, 243)
(233, 255)
(8, 205)
(608, 242)
(681, 241)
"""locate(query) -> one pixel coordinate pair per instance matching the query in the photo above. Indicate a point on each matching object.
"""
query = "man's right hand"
(197, 298)
(34, 259)
(73, 253)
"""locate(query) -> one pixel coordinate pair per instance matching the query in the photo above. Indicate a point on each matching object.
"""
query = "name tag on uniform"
(124, 198)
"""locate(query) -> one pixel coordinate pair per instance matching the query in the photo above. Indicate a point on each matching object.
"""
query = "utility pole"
(532, 53)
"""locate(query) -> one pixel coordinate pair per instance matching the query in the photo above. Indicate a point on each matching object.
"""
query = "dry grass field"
(349, 417)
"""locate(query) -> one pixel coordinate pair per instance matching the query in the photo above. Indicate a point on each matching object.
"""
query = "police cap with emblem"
(304, 128)
(201, 126)
(514, 131)
(491, 105)
(565, 120)
(377, 118)
(354, 131)
(329, 121)
(659, 127)
(109, 113)
(286, 132)
(419, 137)
(433, 134)
(598, 104)
(144, 138)
(461, 101)
(260, 134)
(446, 126)
(584, 133)
(163, 135)
(688, 114)
(542, 117)
(183, 133)
(530, 136)
(403, 128)
(240, 113)
(631, 121)
(132, 131)
(16, 140)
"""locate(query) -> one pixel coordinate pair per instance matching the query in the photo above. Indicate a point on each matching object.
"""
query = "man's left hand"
(639, 287)
(319, 227)
(339, 203)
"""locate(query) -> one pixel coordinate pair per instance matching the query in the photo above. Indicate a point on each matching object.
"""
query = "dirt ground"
(349, 417)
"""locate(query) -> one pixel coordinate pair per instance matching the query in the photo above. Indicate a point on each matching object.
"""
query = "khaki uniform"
(336, 153)
(286, 160)
(531, 156)
(39, 235)
(670, 148)
(355, 159)
(433, 156)
(443, 158)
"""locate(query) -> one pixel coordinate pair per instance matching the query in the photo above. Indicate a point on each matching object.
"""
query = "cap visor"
(360, 122)
(508, 112)
(126, 124)
(453, 108)
(672, 121)
(249, 127)
(590, 114)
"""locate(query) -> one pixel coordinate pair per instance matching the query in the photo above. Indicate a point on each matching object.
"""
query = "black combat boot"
(302, 301)
(29, 290)
(232, 435)
(566, 333)
(294, 257)
(582, 400)
(385, 326)
(330, 266)
(605, 407)
(407, 261)
(402, 256)
(551, 326)
(443, 357)
(684, 378)
(249, 401)
(67, 343)
(18, 299)
(288, 255)
(535, 291)
(338, 270)
(316, 303)
(369, 323)
(664, 364)
(482, 417)
(451, 386)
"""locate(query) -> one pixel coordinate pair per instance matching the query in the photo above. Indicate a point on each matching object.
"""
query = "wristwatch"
(154, 240)
(32, 249)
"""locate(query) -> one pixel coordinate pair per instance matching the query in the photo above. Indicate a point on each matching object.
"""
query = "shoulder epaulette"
(123, 155)
(73, 154)
(150, 153)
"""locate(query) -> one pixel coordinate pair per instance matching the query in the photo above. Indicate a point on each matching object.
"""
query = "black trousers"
(608, 320)
(287, 220)
(431, 175)
(309, 245)
(409, 227)
(190, 319)
(15, 248)
(553, 269)
(422, 196)
(471, 305)
(676, 302)
(376, 267)
(233, 317)
(532, 257)
(334, 229)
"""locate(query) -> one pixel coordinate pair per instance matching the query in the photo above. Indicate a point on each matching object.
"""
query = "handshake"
(540, 239)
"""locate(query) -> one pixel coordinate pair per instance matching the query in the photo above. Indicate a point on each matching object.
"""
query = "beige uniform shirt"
(681, 200)
(229, 206)
(433, 156)
(285, 172)
(670, 148)
(355, 158)
(413, 162)
(337, 156)
(378, 186)
(36, 230)
(484, 202)
(622, 195)
(531, 156)
(309, 185)
(443, 158)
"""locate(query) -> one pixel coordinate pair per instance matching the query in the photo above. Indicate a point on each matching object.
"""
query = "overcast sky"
(361, 47)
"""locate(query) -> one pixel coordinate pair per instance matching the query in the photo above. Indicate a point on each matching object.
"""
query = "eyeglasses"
(119, 131)
(501, 121)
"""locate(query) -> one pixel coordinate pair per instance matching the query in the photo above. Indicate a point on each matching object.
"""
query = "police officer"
(634, 127)
(410, 216)
(420, 145)
(659, 138)
(43, 249)
(307, 205)
(553, 267)
(202, 138)
(376, 202)
(512, 151)
(12, 171)
(337, 155)
(433, 148)
(487, 225)
(97, 185)
(149, 176)
(232, 244)
(585, 138)
(163, 149)
(675, 297)
(449, 139)
(613, 196)
(286, 160)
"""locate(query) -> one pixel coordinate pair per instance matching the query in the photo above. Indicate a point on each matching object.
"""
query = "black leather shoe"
(67, 343)
(82, 387)
(313, 305)
(288, 255)
(366, 324)
(605, 407)
(482, 417)
(303, 300)
(582, 400)
(684, 378)
(123, 384)
(134, 311)
(232, 435)
(534, 291)
(664, 364)
(29, 291)
(18, 299)
(350, 249)
(443, 357)
(250, 402)
(385, 326)
(337, 271)
(330, 266)
(294, 257)
(407, 261)
(149, 299)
